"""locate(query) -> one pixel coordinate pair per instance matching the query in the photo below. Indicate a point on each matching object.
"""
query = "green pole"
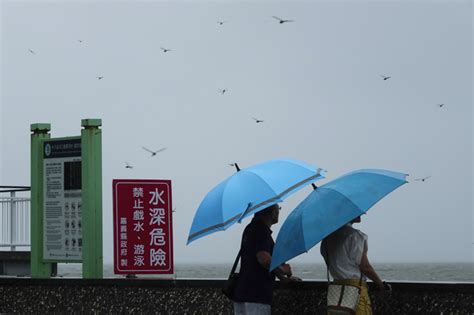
(39, 269)
(91, 147)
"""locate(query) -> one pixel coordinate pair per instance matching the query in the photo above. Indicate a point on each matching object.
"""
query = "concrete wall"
(17, 263)
(114, 296)
(14, 263)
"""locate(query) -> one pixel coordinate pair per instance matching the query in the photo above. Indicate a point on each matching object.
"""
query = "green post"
(91, 146)
(39, 269)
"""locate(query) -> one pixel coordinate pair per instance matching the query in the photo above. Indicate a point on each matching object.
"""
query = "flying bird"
(79, 40)
(31, 51)
(222, 91)
(153, 153)
(440, 105)
(422, 178)
(257, 120)
(165, 49)
(281, 21)
(385, 78)
(100, 77)
(128, 165)
(221, 22)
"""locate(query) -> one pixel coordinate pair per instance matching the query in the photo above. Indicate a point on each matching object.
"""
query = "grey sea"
(410, 272)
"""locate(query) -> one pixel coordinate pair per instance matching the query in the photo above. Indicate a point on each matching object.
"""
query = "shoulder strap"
(327, 260)
(235, 263)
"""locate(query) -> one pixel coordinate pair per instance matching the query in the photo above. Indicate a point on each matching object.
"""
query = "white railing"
(14, 221)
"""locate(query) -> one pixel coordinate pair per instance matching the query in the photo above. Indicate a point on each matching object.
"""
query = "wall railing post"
(13, 221)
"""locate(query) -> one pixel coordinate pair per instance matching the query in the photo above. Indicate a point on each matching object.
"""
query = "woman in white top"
(345, 254)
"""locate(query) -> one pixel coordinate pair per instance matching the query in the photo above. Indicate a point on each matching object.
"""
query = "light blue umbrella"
(248, 191)
(329, 207)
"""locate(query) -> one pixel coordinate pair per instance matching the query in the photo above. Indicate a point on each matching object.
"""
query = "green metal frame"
(39, 269)
(91, 147)
(91, 165)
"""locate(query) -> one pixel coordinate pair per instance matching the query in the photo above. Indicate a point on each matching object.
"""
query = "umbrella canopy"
(248, 191)
(329, 207)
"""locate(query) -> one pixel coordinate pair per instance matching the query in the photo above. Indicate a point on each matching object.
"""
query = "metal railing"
(14, 218)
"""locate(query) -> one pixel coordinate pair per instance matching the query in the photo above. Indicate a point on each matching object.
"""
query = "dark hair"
(267, 211)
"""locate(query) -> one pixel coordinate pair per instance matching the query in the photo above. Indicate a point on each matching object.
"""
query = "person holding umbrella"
(254, 190)
(253, 293)
(324, 215)
(345, 254)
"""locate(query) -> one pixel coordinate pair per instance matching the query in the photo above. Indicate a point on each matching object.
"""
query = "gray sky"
(316, 83)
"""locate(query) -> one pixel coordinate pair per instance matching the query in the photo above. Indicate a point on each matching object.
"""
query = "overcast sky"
(316, 83)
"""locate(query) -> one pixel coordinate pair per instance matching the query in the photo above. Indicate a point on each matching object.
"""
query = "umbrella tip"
(314, 186)
(237, 167)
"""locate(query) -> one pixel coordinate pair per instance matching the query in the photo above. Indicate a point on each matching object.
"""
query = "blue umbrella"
(248, 191)
(329, 207)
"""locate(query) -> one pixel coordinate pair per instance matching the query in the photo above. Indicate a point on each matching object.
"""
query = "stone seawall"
(113, 296)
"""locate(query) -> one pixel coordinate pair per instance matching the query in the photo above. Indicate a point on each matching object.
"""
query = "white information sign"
(62, 236)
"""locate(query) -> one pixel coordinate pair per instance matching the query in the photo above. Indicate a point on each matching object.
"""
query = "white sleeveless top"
(345, 248)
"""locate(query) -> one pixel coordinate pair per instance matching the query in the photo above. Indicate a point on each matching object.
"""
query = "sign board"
(143, 227)
(62, 218)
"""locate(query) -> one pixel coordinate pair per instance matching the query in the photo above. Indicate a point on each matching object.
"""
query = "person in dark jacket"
(253, 293)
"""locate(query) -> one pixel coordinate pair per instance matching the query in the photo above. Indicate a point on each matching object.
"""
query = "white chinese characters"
(157, 216)
(157, 257)
(157, 237)
(138, 226)
(156, 197)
